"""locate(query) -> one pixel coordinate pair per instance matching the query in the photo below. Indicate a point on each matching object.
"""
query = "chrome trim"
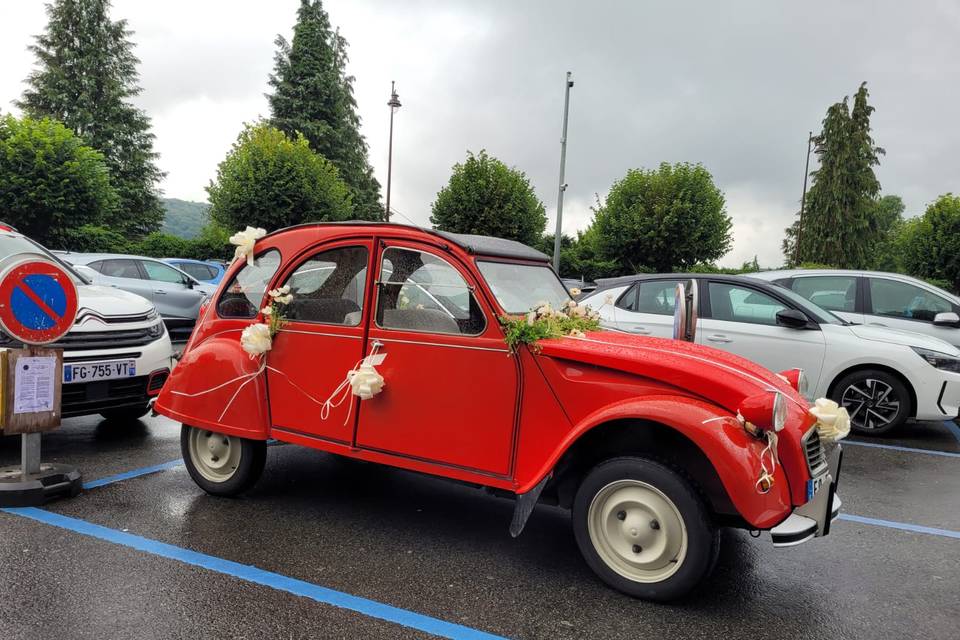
(442, 344)
(824, 466)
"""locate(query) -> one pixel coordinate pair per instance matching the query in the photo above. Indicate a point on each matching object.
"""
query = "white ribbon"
(833, 421)
(245, 241)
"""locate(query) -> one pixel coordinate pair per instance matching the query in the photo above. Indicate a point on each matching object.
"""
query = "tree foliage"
(486, 197)
(50, 182)
(313, 95)
(840, 226)
(664, 219)
(930, 245)
(85, 77)
(268, 180)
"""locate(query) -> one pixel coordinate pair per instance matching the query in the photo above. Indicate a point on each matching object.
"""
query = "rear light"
(764, 412)
(797, 379)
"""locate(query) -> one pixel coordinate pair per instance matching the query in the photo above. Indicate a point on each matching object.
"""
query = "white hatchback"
(882, 376)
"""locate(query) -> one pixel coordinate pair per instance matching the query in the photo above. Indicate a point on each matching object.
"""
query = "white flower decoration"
(608, 299)
(277, 293)
(245, 241)
(574, 291)
(833, 421)
(267, 310)
(365, 381)
(256, 339)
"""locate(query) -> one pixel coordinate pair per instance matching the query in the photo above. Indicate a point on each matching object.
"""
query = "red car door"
(451, 385)
(321, 340)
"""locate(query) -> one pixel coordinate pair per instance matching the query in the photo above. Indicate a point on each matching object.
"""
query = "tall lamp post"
(394, 104)
(563, 163)
(803, 200)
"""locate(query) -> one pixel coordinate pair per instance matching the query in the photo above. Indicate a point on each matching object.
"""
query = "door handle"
(718, 338)
(160, 291)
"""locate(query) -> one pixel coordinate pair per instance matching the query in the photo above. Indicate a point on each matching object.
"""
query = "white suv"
(118, 353)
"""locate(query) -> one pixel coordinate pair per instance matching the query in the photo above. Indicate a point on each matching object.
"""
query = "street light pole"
(563, 163)
(803, 200)
(394, 104)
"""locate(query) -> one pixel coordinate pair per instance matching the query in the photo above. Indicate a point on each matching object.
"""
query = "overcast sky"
(733, 85)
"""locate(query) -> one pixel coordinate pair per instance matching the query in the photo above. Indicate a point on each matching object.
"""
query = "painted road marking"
(877, 445)
(93, 484)
(904, 526)
(248, 573)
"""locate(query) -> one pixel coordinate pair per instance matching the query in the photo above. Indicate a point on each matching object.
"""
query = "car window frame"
(706, 309)
(283, 275)
(465, 275)
(631, 290)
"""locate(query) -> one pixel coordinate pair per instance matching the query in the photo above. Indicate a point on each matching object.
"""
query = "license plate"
(89, 371)
(814, 485)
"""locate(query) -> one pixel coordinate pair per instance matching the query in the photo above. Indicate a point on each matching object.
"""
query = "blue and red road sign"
(38, 301)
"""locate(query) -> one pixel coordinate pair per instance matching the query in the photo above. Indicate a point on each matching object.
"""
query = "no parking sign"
(38, 300)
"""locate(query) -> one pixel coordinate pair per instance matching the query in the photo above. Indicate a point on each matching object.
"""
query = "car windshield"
(11, 243)
(520, 287)
(819, 314)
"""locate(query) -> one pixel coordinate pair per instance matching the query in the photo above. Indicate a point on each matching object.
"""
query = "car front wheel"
(222, 465)
(643, 529)
(877, 401)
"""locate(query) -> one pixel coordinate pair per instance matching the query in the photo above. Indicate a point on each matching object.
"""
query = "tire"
(878, 402)
(126, 414)
(222, 465)
(643, 529)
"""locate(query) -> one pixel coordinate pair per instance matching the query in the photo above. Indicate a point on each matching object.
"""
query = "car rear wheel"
(126, 414)
(220, 464)
(877, 401)
(643, 529)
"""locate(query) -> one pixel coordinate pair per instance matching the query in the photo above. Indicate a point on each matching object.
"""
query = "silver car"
(176, 295)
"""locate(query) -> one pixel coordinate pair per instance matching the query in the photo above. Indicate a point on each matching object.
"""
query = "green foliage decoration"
(544, 322)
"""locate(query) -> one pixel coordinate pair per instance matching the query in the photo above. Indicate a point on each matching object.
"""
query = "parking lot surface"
(327, 547)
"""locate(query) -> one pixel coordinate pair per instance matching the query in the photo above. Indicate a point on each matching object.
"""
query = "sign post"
(38, 305)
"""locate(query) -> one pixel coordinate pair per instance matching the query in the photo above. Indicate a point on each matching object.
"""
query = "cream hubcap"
(214, 455)
(637, 531)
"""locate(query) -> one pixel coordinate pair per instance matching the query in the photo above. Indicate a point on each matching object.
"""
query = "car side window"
(120, 268)
(198, 271)
(657, 297)
(241, 298)
(628, 299)
(742, 304)
(837, 293)
(161, 272)
(902, 300)
(422, 292)
(328, 287)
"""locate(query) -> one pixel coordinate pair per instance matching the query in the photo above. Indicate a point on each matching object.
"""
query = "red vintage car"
(653, 444)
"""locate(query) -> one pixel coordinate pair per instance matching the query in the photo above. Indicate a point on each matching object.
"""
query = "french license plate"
(88, 371)
(814, 485)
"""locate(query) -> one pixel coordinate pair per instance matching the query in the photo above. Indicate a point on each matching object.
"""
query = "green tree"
(268, 180)
(887, 216)
(664, 219)
(313, 95)
(86, 75)
(50, 182)
(839, 224)
(930, 244)
(486, 197)
(96, 239)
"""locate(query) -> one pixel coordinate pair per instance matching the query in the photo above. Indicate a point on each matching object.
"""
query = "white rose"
(574, 292)
(255, 339)
(833, 421)
(531, 317)
(284, 299)
(576, 333)
(245, 241)
(267, 310)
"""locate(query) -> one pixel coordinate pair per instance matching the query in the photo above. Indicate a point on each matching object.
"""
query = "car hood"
(904, 338)
(109, 301)
(722, 378)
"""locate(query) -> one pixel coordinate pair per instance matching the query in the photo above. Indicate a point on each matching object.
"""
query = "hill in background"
(184, 218)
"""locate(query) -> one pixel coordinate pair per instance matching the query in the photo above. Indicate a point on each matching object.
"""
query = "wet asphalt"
(442, 549)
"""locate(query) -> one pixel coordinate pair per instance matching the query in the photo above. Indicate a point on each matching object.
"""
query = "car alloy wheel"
(873, 404)
(637, 531)
(215, 456)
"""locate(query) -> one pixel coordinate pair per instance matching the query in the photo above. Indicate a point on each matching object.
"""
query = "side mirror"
(189, 282)
(792, 319)
(947, 319)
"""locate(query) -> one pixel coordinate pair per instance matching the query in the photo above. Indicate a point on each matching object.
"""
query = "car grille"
(92, 397)
(813, 449)
(83, 340)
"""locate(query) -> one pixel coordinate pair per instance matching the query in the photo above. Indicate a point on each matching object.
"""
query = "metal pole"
(29, 454)
(803, 200)
(394, 104)
(563, 163)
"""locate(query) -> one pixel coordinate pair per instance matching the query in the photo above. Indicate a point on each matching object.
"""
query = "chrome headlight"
(943, 361)
(779, 417)
(803, 383)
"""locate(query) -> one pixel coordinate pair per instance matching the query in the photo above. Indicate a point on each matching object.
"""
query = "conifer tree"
(313, 95)
(86, 75)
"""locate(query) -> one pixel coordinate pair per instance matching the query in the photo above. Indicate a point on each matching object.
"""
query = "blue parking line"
(877, 445)
(903, 526)
(953, 428)
(93, 484)
(248, 573)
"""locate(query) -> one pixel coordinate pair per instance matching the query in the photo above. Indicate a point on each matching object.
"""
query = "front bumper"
(814, 518)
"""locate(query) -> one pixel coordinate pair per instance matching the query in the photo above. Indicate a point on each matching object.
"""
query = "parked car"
(882, 376)
(876, 298)
(207, 271)
(584, 287)
(639, 437)
(117, 355)
(176, 295)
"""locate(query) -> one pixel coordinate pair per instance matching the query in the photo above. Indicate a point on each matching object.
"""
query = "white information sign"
(34, 384)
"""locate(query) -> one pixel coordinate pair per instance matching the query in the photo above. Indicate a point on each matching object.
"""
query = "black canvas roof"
(490, 246)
